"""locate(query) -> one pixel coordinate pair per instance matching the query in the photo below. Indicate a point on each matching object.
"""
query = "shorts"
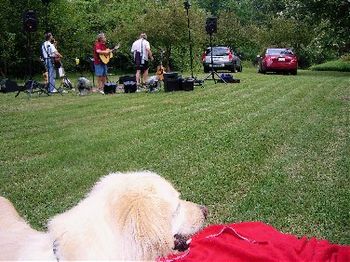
(100, 70)
(143, 66)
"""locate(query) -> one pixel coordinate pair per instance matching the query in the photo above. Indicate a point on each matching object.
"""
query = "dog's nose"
(204, 211)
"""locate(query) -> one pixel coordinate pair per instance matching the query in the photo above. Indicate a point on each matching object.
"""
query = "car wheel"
(233, 68)
(206, 69)
(294, 72)
(261, 71)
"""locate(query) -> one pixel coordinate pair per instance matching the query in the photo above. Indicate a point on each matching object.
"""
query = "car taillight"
(203, 56)
(230, 56)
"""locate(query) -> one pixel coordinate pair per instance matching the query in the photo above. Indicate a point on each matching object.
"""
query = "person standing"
(49, 52)
(142, 52)
(100, 48)
(57, 62)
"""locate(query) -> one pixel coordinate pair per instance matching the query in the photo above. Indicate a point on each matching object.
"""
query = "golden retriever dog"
(126, 216)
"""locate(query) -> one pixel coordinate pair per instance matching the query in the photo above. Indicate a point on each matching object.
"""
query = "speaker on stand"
(211, 27)
(30, 24)
(30, 21)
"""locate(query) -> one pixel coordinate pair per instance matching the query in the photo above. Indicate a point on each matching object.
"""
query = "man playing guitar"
(100, 48)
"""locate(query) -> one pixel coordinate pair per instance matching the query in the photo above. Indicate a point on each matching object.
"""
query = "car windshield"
(279, 51)
(219, 51)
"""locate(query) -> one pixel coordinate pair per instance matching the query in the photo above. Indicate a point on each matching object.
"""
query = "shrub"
(345, 57)
(337, 65)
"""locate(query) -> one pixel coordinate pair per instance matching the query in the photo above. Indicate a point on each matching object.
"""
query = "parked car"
(223, 58)
(278, 60)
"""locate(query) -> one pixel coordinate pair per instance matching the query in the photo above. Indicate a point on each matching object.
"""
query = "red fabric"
(98, 46)
(255, 241)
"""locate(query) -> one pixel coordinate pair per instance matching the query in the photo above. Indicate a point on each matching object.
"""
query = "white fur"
(131, 216)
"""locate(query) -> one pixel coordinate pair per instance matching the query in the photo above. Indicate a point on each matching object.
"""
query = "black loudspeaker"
(211, 25)
(30, 21)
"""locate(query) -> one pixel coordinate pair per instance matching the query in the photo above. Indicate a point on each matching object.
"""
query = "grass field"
(337, 65)
(274, 148)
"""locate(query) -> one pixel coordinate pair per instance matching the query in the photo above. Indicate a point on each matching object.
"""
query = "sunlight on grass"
(273, 148)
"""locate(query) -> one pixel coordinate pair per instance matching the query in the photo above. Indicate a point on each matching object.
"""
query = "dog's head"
(143, 215)
(151, 214)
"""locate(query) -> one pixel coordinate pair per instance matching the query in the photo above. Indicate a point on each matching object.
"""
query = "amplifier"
(110, 88)
(130, 87)
(171, 85)
(170, 75)
(129, 83)
(188, 84)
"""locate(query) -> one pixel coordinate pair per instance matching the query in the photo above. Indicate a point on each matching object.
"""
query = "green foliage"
(345, 57)
(337, 65)
(316, 30)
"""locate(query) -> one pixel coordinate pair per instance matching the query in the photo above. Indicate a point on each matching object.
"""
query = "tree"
(318, 30)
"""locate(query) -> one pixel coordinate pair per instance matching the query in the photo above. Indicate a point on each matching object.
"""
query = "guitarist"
(100, 48)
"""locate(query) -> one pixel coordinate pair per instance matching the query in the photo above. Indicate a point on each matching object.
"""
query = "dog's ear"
(145, 223)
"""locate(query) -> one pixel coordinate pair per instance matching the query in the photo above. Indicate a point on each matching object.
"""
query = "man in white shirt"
(49, 51)
(142, 52)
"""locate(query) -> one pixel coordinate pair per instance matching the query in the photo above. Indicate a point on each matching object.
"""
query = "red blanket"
(255, 241)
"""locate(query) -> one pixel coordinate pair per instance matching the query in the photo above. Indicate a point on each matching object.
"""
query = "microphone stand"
(30, 85)
(187, 6)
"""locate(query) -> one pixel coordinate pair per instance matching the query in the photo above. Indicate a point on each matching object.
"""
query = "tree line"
(316, 30)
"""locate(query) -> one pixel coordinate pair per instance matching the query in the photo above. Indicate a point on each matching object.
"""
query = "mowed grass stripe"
(272, 148)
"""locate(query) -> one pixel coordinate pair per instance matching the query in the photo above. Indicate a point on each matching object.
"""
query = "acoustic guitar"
(106, 58)
(160, 69)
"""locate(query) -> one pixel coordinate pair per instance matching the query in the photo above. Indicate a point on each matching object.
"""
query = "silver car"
(223, 59)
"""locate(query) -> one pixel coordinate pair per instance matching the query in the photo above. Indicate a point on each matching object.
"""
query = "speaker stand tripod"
(187, 6)
(213, 73)
(31, 86)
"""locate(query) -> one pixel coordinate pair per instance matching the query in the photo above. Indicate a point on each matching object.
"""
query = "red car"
(278, 60)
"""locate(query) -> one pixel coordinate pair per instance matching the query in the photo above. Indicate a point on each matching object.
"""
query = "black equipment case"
(110, 88)
(174, 82)
(129, 83)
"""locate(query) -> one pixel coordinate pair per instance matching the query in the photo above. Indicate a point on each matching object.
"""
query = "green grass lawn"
(337, 65)
(274, 148)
